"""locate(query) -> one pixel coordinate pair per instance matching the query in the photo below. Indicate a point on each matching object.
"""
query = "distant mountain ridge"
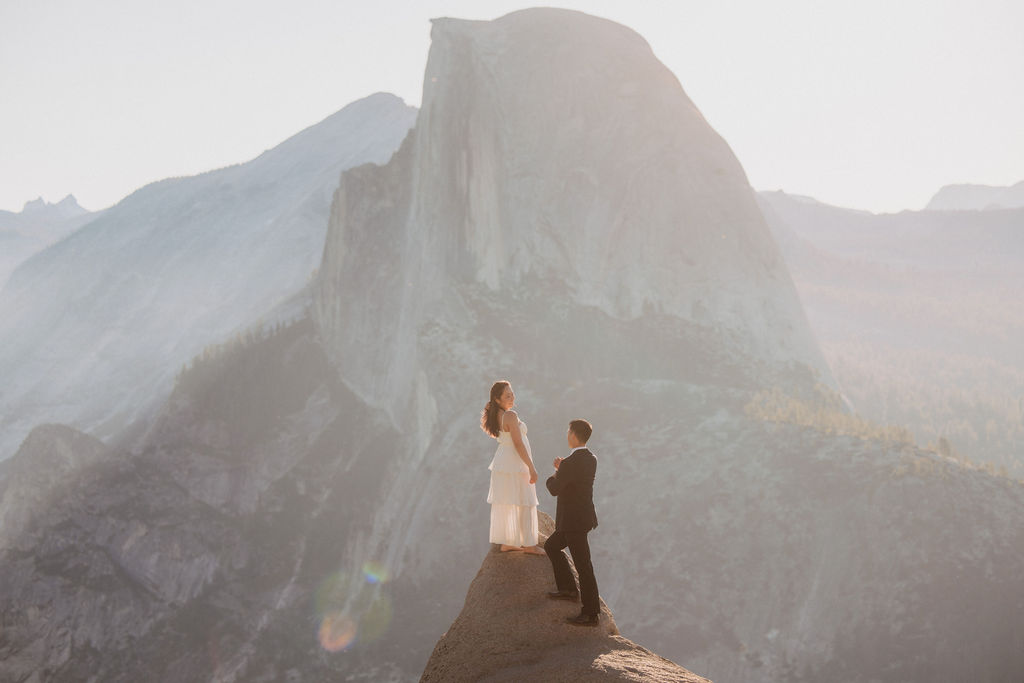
(913, 311)
(38, 225)
(968, 197)
(65, 208)
(94, 328)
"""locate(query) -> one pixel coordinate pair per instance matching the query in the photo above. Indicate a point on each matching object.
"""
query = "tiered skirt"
(513, 500)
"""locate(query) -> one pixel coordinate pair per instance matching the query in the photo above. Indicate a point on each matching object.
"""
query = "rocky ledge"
(509, 630)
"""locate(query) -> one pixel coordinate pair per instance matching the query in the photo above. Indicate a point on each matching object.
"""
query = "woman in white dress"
(513, 493)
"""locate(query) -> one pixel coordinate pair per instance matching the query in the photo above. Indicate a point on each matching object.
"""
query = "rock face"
(213, 554)
(49, 461)
(99, 560)
(509, 630)
(93, 330)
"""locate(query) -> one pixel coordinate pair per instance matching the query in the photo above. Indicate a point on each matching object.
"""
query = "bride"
(513, 494)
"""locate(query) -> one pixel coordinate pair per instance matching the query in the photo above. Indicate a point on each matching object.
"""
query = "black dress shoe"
(564, 595)
(584, 620)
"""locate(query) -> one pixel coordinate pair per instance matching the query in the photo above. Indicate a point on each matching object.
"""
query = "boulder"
(509, 630)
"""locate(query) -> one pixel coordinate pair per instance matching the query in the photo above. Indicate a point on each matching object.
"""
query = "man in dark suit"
(573, 485)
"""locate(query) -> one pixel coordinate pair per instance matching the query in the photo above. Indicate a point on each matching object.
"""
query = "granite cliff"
(553, 157)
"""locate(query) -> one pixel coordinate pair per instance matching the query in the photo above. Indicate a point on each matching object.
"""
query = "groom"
(573, 485)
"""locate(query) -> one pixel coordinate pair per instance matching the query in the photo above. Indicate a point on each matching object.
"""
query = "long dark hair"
(489, 417)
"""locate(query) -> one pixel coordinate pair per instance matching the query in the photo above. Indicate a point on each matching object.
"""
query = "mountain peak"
(251, 233)
(33, 205)
(509, 630)
(545, 20)
(554, 157)
(551, 127)
(65, 208)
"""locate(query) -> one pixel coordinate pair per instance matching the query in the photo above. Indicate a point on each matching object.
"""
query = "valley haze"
(241, 409)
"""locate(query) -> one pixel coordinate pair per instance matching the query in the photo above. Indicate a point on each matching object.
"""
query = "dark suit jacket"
(573, 485)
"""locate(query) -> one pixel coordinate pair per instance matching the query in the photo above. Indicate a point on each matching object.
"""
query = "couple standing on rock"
(513, 499)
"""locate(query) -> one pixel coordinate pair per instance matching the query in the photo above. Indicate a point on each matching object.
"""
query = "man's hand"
(558, 461)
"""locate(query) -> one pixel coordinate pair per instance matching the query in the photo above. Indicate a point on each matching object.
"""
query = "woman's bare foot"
(534, 550)
(509, 548)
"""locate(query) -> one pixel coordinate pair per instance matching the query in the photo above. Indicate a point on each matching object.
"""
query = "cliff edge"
(509, 630)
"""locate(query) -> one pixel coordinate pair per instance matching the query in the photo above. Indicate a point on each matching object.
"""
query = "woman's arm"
(512, 423)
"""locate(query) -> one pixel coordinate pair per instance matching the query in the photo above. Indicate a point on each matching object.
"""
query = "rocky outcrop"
(97, 550)
(42, 473)
(508, 630)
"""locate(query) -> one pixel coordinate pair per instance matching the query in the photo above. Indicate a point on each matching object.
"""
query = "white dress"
(512, 497)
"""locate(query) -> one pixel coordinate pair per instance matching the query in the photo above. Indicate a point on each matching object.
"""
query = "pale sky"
(870, 104)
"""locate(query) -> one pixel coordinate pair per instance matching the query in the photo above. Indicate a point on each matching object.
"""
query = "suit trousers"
(579, 547)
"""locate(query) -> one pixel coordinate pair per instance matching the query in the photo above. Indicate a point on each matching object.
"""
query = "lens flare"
(337, 632)
(375, 572)
(353, 608)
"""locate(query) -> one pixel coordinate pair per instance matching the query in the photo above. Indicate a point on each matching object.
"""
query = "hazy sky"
(871, 104)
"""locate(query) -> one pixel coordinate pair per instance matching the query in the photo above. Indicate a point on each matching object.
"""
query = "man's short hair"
(582, 430)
